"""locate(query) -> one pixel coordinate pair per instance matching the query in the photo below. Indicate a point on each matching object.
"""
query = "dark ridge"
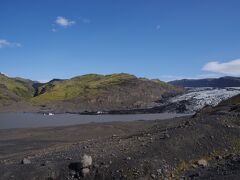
(226, 81)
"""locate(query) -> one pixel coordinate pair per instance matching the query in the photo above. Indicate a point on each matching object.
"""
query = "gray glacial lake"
(34, 120)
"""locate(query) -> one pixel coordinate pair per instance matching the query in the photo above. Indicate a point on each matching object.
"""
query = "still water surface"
(34, 120)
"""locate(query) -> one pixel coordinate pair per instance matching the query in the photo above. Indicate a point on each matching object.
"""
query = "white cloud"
(158, 27)
(4, 43)
(227, 68)
(62, 21)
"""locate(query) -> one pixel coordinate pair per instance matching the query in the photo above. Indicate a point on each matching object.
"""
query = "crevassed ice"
(199, 97)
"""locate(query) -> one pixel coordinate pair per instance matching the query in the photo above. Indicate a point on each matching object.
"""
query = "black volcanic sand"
(126, 150)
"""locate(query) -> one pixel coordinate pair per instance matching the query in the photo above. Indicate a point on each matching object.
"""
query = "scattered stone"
(166, 135)
(153, 176)
(114, 135)
(218, 157)
(68, 158)
(228, 126)
(86, 161)
(72, 174)
(124, 176)
(26, 161)
(159, 171)
(85, 171)
(194, 166)
(187, 123)
(128, 158)
(202, 162)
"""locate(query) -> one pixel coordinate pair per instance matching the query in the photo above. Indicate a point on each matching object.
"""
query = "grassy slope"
(14, 89)
(88, 92)
(90, 85)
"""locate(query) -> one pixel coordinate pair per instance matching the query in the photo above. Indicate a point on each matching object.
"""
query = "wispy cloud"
(227, 68)
(64, 22)
(5, 43)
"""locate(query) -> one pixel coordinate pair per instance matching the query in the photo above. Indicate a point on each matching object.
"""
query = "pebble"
(68, 158)
(166, 135)
(128, 158)
(72, 174)
(153, 176)
(85, 171)
(159, 171)
(218, 157)
(202, 162)
(26, 161)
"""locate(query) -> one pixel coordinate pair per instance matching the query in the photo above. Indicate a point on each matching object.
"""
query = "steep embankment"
(90, 92)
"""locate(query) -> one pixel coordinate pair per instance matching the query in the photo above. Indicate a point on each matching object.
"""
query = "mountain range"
(221, 82)
(91, 92)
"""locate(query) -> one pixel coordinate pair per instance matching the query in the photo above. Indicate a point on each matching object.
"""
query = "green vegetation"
(182, 167)
(92, 88)
(81, 86)
(235, 144)
(10, 87)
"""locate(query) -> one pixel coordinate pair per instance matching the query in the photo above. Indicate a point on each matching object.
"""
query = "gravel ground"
(200, 147)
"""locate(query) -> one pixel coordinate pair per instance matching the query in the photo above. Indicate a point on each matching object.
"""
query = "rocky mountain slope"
(192, 101)
(90, 92)
(13, 90)
(210, 82)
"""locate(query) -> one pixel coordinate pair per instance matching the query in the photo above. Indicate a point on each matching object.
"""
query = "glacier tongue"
(197, 98)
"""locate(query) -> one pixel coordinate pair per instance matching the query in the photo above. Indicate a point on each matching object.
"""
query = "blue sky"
(165, 39)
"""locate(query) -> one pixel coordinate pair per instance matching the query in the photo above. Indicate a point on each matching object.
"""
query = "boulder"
(202, 162)
(26, 161)
(86, 161)
(85, 171)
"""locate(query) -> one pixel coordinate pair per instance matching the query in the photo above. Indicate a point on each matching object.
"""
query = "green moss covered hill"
(14, 90)
(90, 92)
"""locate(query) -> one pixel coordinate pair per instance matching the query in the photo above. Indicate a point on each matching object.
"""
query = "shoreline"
(38, 120)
